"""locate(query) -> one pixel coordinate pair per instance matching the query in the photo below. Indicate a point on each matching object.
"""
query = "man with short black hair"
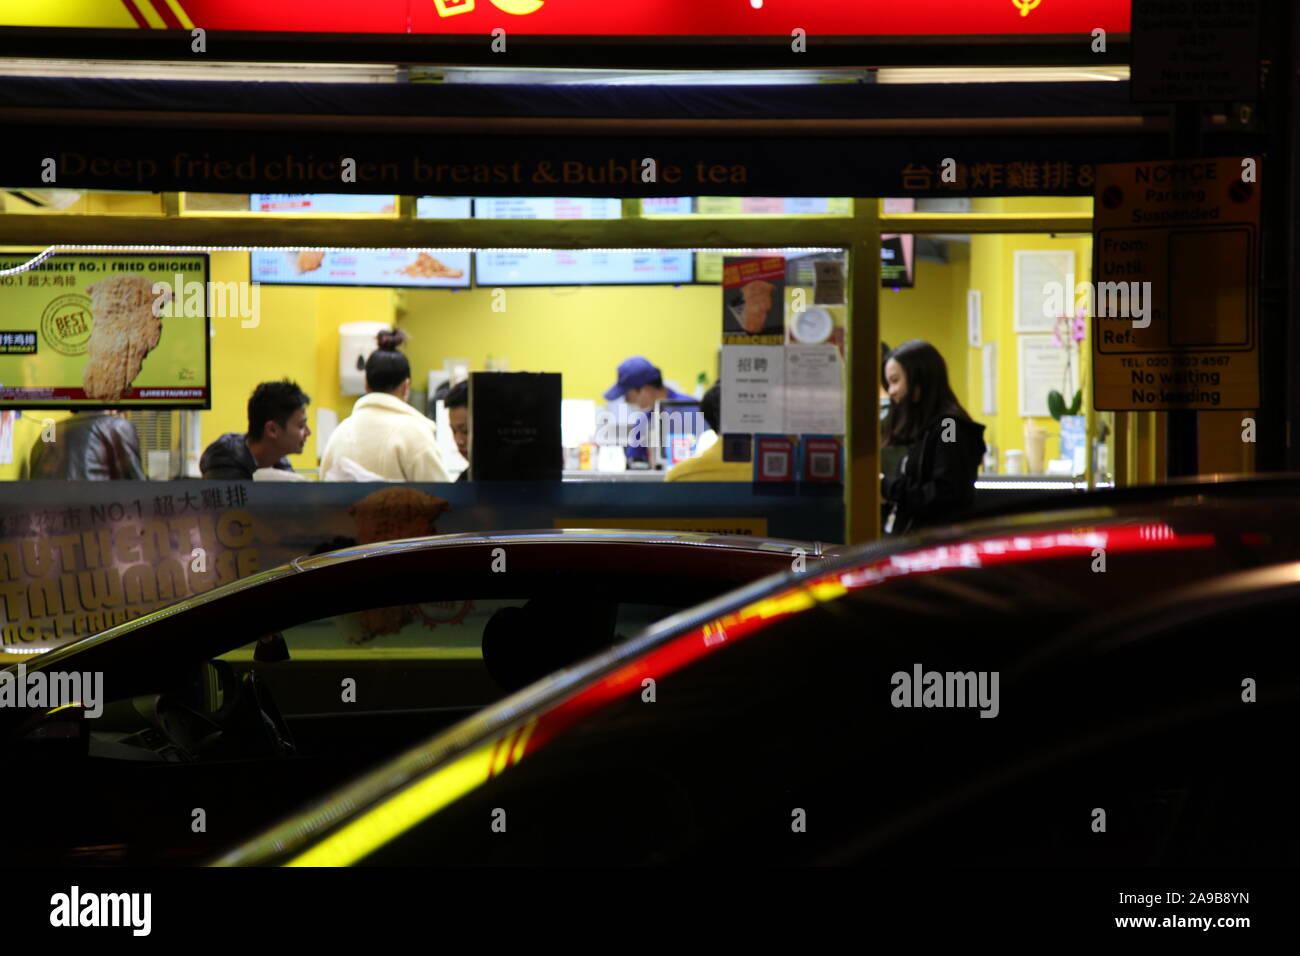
(708, 464)
(277, 426)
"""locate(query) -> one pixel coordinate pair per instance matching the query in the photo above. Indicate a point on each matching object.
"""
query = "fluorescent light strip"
(56, 250)
(1029, 485)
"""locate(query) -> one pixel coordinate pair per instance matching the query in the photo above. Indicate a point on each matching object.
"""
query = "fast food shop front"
(601, 223)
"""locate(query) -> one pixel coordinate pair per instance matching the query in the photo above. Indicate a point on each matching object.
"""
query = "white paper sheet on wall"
(814, 391)
(1034, 269)
(7, 420)
(990, 356)
(326, 421)
(1042, 368)
(753, 380)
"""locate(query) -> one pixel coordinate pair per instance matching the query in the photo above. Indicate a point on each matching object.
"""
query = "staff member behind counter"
(457, 402)
(708, 464)
(641, 384)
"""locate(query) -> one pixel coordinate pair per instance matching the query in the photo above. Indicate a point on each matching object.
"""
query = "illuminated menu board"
(283, 203)
(402, 267)
(580, 267)
(442, 207)
(666, 206)
(771, 206)
(506, 208)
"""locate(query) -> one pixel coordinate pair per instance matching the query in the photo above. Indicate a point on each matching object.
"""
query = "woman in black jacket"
(935, 482)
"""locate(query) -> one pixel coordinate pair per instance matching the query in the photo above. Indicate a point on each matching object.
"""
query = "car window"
(425, 656)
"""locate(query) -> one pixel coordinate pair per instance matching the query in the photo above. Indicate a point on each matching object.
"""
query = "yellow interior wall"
(296, 338)
(27, 431)
(992, 272)
(934, 310)
(581, 331)
(91, 204)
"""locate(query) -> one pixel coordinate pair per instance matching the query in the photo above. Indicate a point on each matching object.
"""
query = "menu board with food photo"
(104, 330)
(379, 267)
(753, 300)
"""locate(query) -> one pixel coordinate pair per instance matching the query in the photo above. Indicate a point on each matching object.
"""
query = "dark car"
(1109, 686)
(245, 701)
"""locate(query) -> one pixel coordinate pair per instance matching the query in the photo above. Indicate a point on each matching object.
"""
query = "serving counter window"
(662, 355)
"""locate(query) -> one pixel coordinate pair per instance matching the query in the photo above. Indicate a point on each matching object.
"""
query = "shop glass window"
(79, 202)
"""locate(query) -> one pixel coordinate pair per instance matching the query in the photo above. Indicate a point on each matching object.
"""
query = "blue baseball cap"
(635, 372)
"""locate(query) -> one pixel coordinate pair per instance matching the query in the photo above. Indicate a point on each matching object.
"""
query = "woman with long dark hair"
(935, 482)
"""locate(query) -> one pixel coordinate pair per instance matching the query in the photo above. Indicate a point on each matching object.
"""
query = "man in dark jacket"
(89, 446)
(277, 426)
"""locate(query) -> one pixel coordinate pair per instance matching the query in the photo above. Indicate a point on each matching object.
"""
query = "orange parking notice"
(1175, 295)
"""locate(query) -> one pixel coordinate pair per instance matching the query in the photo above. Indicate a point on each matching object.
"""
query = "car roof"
(507, 732)
(565, 536)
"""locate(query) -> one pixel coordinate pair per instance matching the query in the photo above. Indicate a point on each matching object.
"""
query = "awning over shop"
(859, 139)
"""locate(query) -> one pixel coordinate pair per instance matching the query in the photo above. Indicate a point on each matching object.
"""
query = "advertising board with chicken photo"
(753, 300)
(101, 330)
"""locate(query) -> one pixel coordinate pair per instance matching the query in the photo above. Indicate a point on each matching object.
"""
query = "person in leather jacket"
(89, 446)
(935, 482)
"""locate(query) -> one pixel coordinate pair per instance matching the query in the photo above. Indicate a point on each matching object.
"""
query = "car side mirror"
(57, 734)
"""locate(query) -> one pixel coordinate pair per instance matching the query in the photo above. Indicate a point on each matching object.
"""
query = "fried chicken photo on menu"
(426, 266)
(123, 331)
(758, 302)
(309, 260)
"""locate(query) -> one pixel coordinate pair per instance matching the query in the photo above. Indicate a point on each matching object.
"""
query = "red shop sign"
(631, 18)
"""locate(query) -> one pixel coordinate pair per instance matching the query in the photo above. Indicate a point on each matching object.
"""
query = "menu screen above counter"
(572, 267)
(505, 208)
(442, 207)
(403, 267)
(282, 203)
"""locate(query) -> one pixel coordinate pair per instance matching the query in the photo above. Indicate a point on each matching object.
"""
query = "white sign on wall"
(753, 388)
(1036, 271)
(974, 318)
(1041, 369)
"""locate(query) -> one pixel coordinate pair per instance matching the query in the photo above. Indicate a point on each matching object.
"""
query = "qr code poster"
(775, 458)
(822, 458)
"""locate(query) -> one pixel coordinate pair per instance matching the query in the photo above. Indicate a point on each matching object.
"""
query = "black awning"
(824, 101)
(428, 140)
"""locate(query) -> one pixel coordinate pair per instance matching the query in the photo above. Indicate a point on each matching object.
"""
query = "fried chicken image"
(123, 331)
(309, 260)
(426, 266)
(387, 515)
(758, 302)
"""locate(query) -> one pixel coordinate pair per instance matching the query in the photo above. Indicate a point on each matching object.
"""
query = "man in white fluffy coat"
(384, 434)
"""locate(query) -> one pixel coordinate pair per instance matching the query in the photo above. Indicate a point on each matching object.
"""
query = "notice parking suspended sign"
(1190, 51)
(1175, 290)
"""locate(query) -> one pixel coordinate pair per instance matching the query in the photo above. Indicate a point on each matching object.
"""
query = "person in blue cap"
(641, 384)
